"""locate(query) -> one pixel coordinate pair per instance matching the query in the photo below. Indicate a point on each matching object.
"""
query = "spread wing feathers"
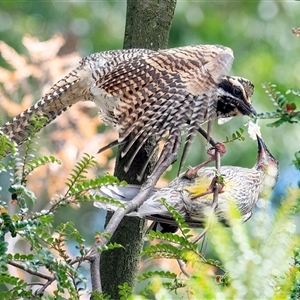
(110, 145)
(204, 106)
(50, 106)
(159, 87)
(157, 124)
(195, 123)
(138, 91)
(76, 86)
(153, 117)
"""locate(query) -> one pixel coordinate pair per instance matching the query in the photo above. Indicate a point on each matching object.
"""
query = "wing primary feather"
(198, 117)
(141, 174)
(111, 145)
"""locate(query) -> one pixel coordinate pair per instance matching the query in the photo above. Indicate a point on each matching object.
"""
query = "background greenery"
(259, 32)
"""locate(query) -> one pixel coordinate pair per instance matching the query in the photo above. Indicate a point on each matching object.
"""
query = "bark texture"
(148, 24)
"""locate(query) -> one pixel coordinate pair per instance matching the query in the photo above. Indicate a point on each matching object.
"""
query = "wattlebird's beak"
(248, 109)
(263, 152)
(262, 148)
(252, 111)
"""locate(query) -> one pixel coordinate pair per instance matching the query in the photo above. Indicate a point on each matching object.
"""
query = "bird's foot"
(219, 147)
(191, 172)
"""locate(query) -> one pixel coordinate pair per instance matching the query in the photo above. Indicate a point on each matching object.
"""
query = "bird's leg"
(207, 136)
(191, 173)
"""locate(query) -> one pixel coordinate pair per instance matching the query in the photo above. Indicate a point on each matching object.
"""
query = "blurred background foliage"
(259, 32)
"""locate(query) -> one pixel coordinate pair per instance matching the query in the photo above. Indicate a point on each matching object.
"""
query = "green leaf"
(35, 163)
(275, 96)
(161, 274)
(163, 251)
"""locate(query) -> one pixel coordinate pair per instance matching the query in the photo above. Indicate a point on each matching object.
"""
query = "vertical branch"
(147, 26)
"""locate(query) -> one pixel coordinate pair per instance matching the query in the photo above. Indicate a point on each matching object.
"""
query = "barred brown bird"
(143, 92)
(190, 197)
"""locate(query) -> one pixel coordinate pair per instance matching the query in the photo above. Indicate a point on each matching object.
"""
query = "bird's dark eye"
(237, 91)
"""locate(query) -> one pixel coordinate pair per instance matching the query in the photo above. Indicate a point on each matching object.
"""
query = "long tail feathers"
(50, 106)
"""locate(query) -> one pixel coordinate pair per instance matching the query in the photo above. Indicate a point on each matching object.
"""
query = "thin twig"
(145, 190)
(136, 202)
(34, 283)
(95, 272)
(32, 272)
(41, 291)
(183, 268)
(207, 137)
(200, 235)
(215, 200)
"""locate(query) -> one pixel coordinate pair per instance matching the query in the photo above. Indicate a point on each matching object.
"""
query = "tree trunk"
(148, 23)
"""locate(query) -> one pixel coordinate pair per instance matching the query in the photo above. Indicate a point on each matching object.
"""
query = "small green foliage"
(18, 288)
(95, 295)
(80, 170)
(161, 274)
(109, 246)
(35, 163)
(238, 135)
(178, 218)
(6, 146)
(286, 111)
(7, 225)
(296, 162)
(125, 291)
(163, 251)
(295, 275)
(48, 243)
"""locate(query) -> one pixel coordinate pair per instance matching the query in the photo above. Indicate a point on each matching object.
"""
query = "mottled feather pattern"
(243, 187)
(144, 93)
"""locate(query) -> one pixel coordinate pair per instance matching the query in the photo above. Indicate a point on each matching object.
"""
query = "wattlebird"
(192, 196)
(145, 93)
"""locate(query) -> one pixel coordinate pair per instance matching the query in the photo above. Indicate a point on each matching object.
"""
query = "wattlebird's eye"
(237, 91)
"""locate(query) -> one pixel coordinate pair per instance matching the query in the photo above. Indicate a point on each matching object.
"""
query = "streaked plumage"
(243, 186)
(144, 93)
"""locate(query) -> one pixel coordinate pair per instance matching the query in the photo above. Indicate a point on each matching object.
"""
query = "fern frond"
(277, 98)
(110, 246)
(161, 274)
(35, 163)
(176, 216)
(238, 135)
(173, 238)
(86, 163)
(163, 251)
(94, 184)
(6, 145)
(97, 198)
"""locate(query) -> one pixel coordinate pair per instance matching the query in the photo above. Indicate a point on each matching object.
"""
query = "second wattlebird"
(192, 196)
(145, 93)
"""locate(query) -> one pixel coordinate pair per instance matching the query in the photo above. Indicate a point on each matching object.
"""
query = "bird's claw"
(220, 147)
(191, 172)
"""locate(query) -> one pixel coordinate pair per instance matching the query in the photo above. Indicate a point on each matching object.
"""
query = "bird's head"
(268, 164)
(234, 97)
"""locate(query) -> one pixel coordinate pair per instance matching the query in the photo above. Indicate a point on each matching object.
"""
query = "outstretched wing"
(162, 90)
(78, 85)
